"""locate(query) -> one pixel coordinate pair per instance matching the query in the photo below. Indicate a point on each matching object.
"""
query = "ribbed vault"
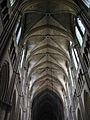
(48, 27)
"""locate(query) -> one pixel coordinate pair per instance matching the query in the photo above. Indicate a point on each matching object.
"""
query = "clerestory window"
(23, 53)
(78, 35)
(18, 30)
(79, 31)
(18, 35)
(81, 26)
(75, 58)
(12, 2)
(87, 3)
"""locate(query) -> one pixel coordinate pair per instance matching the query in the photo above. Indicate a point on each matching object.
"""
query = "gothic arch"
(87, 104)
(47, 105)
(4, 80)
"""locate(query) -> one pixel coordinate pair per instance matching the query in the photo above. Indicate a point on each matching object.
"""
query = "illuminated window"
(82, 28)
(22, 57)
(18, 35)
(76, 54)
(18, 30)
(75, 61)
(71, 76)
(75, 58)
(78, 35)
(12, 2)
(87, 3)
(17, 27)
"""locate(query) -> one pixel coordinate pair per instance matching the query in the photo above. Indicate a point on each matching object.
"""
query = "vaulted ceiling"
(48, 27)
